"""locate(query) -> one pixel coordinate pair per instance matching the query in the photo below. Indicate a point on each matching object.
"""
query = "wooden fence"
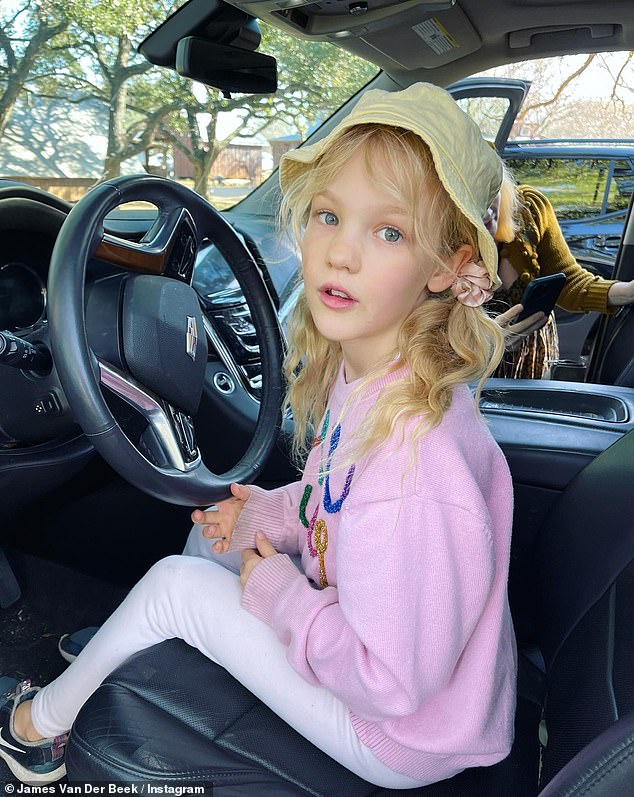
(69, 188)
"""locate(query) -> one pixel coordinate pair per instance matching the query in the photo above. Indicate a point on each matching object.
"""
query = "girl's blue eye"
(390, 234)
(327, 217)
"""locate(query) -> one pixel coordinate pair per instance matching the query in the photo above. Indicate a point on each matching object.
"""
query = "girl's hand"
(221, 520)
(251, 558)
(523, 328)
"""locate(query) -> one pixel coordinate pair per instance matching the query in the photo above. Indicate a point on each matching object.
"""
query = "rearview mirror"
(214, 43)
(230, 69)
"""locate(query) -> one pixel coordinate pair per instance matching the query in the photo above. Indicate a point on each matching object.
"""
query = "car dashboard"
(536, 423)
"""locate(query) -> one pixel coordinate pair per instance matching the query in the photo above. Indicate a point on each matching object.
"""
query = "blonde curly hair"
(443, 342)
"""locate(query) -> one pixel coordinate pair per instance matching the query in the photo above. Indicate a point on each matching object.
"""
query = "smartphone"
(541, 294)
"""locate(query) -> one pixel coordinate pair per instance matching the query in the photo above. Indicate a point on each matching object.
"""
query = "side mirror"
(225, 67)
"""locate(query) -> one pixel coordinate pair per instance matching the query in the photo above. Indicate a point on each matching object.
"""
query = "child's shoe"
(71, 645)
(30, 762)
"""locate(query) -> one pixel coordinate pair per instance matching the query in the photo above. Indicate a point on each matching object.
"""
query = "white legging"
(196, 597)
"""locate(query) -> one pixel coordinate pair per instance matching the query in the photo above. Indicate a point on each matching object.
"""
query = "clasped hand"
(252, 558)
(219, 523)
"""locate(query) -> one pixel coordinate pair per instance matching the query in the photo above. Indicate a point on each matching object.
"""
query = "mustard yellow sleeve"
(583, 291)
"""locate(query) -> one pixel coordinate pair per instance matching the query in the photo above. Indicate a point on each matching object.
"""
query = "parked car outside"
(589, 183)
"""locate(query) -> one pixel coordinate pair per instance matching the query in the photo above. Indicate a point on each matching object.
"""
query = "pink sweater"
(402, 612)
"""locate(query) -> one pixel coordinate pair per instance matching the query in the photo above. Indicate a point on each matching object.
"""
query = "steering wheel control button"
(224, 383)
(183, 255)
(184, 428)
(48, 406)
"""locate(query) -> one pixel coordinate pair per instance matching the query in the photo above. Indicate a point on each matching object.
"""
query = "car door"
(612, 357)
(493, 103)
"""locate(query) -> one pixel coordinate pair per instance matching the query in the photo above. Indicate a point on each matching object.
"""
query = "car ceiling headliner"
(482, 33)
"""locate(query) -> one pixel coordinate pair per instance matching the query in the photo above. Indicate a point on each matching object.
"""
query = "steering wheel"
(142, 334)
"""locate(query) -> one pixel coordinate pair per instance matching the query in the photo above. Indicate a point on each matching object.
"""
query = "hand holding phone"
(541, 295)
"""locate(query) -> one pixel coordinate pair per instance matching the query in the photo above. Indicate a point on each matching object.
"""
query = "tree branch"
(619, 74)
(556, 96)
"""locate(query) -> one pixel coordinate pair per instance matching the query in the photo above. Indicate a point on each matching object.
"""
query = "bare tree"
(559, 103)
(534, 113)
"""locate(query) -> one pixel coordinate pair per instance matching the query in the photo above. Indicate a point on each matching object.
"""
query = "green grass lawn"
(577, 187)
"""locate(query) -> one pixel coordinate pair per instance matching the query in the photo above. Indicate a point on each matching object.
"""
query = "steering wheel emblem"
(192, 336)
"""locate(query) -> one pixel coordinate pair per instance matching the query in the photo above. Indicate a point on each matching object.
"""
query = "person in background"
(530, 245)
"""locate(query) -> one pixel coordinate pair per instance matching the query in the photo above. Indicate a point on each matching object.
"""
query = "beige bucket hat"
(467, 166)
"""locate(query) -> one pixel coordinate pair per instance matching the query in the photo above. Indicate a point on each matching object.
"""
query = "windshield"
(79, 105)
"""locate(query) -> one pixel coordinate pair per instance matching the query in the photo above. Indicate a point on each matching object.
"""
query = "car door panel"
(612, 357)
(549, 432)
(574, 331)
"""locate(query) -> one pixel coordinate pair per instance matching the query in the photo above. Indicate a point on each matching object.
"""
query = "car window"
(79, 105)
(622, 183)
(488, 112)
(578, 187)
(590, 196)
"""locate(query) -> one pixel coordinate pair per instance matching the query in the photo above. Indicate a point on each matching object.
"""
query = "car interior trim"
(149, 406)
(228, 361)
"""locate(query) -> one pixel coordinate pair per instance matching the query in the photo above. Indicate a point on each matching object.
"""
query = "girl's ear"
(444, 276)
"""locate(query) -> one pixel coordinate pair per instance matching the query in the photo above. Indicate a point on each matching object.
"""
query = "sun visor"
(439, 39)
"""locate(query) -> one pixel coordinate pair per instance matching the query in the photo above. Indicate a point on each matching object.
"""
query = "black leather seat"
(169, 715)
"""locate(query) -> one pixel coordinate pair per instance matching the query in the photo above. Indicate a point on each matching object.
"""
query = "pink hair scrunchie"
(473, 285)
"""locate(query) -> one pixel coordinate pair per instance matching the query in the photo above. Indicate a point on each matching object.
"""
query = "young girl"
(391, 646)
